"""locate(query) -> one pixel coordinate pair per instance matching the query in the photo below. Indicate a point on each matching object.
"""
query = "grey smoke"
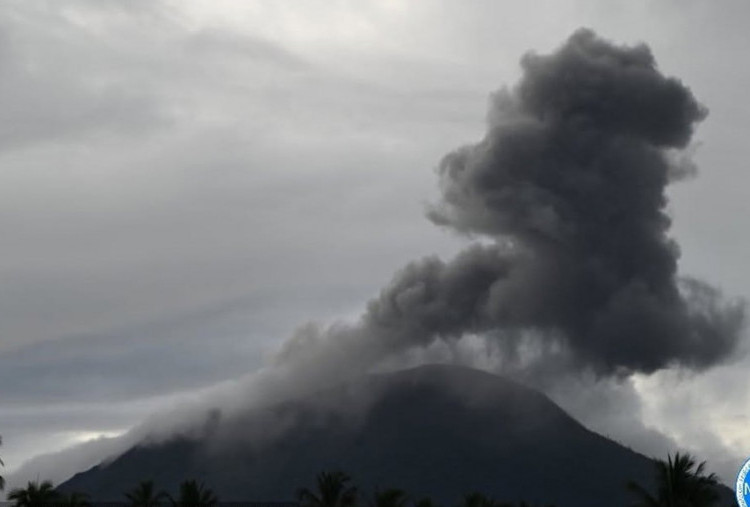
(567, 188)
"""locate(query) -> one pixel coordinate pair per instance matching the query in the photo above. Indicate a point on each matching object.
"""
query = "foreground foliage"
(333, 490)
(2, 479)
(146, 495)
(679, 482)
(193, 494)
(393, 497)
(35, 495)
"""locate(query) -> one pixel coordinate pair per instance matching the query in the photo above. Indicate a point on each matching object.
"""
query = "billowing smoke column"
(569, 184)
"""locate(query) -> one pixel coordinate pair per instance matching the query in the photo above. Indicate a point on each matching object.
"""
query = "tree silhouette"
(425, 502)
(34, 495)
(392, 497)
(75, 499)
(145, 495)
(679, 483)
(479, 500)
(2, 479)
(193, 494)
(333, 491)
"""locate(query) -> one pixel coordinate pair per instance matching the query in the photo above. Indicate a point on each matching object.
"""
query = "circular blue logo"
(743, 485)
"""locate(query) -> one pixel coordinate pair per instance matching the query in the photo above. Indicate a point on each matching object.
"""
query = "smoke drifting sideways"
(565, 195)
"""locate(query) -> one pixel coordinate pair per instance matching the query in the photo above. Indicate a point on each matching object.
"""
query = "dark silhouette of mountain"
(437, 431)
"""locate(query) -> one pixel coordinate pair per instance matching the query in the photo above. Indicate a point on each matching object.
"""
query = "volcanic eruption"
(571, 266)
(565, 199)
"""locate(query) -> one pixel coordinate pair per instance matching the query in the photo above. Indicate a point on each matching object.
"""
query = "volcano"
(435, 431)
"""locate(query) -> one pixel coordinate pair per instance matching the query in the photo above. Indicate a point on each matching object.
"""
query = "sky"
(184, 184)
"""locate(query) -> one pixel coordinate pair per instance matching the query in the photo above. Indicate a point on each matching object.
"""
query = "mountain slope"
(439, 431)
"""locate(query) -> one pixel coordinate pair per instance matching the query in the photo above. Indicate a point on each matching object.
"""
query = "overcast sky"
(183, 183)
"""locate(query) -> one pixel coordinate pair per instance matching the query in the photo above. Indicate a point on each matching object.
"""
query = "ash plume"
(568, 185)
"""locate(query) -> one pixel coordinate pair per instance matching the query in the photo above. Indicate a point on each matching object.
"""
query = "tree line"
(679, 482)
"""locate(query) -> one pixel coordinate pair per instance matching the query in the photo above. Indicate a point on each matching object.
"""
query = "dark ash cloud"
(569, 185)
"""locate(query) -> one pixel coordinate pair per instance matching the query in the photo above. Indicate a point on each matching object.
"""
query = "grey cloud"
(60, 466)
(177, 353)
(34, 428)
(229, 46)
(611, 407)
(48, 93)
(137, 220)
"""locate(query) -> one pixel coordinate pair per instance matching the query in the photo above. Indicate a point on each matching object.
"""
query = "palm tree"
(390, 498)
(193, 494)
(34, 495)
(479, 500)
(679, 483)
(145, 495)
(333, 491)
(425, 502)
(75, 499)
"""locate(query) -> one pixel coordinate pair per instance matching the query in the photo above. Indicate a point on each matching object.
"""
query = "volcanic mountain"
(437, 431)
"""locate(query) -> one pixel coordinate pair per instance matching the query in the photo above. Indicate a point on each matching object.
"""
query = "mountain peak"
(438, 430)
